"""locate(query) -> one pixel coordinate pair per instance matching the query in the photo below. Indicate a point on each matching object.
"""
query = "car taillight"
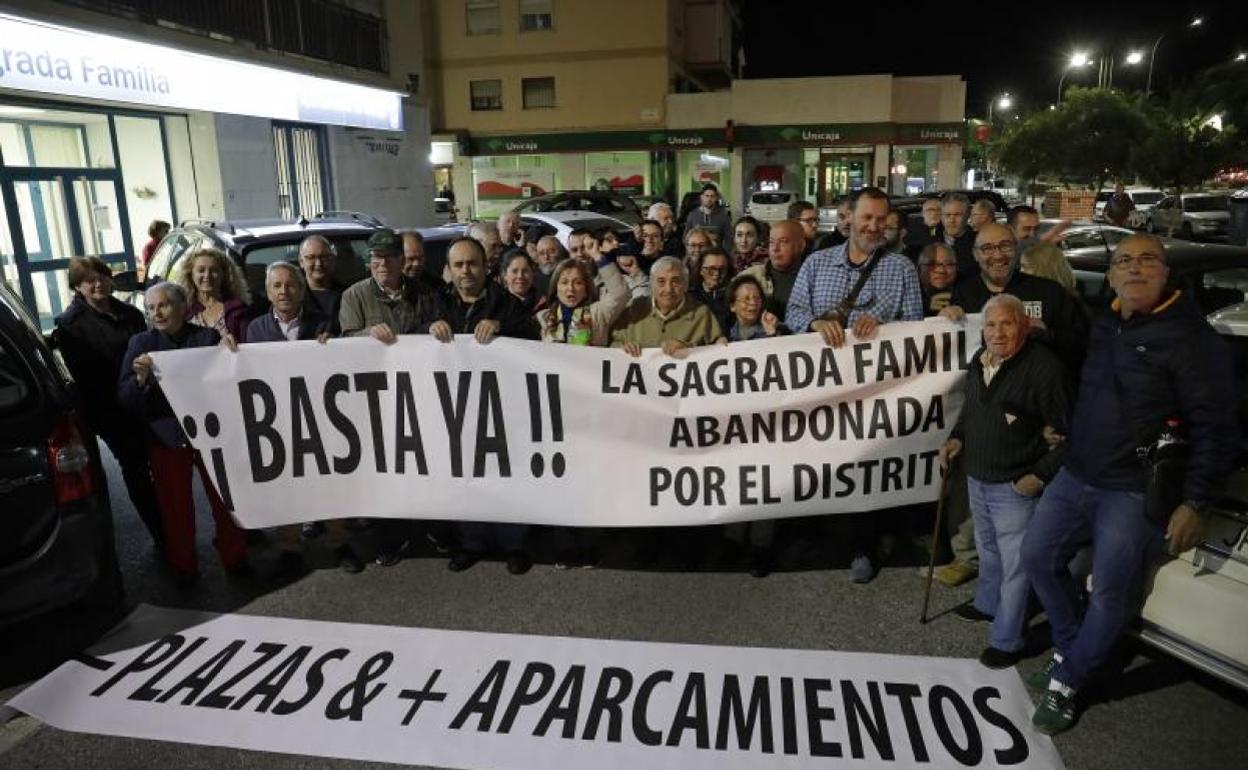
(70, 462)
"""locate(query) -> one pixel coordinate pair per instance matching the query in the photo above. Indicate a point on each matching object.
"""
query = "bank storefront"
(820, 162)
(100, 135)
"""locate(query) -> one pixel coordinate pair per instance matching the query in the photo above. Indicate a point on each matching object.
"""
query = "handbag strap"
(841, 312)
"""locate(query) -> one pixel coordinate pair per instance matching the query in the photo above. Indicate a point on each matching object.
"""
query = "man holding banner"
(860, 286)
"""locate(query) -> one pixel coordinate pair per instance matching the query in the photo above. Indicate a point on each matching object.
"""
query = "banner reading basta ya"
(529, 432)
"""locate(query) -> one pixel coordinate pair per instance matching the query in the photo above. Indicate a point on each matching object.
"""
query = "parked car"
(255, 244)
(594, 201)
(770, 206)
(1191, 215)
(57, 547)
(1144, 200)
(1088, 249)
(561, 224)
(644, 202)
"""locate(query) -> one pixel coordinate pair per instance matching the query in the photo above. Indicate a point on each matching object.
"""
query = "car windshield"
(1222, 288)
(1147, 198)
(771, 198)
(1207, 203)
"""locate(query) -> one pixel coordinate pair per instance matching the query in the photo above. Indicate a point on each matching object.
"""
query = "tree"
(1182, 148)
(1030, 147)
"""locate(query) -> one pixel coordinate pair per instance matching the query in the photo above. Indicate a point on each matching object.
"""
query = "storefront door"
(52, 215)
(841, 174)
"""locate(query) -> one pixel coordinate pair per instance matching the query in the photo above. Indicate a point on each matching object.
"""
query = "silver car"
(1191, 215)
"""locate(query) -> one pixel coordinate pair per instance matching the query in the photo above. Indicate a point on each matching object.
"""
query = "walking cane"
(931, 561)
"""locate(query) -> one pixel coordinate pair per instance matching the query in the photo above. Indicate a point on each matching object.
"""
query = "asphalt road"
(1152, 713)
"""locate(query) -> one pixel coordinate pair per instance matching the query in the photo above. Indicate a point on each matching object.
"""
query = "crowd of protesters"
(1043, 459)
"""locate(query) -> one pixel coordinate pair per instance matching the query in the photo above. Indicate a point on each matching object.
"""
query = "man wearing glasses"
(1057, 318)
(1153, 360)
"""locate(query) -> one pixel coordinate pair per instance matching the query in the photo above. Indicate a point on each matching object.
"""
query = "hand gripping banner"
(517, 431)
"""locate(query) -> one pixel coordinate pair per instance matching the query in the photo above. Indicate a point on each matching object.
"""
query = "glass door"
(841, 174)
(54, 215)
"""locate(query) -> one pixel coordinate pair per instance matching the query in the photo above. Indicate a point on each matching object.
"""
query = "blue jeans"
(1071, 514)
(1001, 516)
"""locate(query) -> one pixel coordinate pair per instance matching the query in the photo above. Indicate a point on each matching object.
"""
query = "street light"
(1241, 56)
(1003, 102)
(1077, 60)
(1148, 86)
(1135, 57)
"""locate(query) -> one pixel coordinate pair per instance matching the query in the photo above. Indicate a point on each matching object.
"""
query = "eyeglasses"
(711, 269)
(809, 220)
(1142, 261)
(993, 249)
(651, 237)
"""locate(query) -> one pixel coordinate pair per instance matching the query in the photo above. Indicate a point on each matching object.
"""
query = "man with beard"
(1056, 317)
(833, 294)
(547, 254)
(711, 215)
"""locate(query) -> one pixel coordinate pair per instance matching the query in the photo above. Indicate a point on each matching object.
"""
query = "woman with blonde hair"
(217, 292)
(1046, 260)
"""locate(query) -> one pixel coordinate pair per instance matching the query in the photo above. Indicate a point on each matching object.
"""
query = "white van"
(770, 206)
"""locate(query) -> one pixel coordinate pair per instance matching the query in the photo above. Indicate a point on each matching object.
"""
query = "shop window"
(34, 137)
(536, 15)
(483, 17)
(302, 171)
(485, 94)
(539, 93)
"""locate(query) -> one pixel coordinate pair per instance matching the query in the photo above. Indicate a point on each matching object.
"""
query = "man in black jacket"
(484, 309)
(1056, 316)
(955, 209)
(1014, 389)
(1152, 360)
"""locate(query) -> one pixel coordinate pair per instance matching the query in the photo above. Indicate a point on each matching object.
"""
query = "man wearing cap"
(386, 303)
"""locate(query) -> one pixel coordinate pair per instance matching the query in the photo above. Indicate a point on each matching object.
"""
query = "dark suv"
(56, 545)
(255, 244)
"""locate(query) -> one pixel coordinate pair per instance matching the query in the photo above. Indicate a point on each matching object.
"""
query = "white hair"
(655, 208)
(478, 230)
(315, 238)
(1008, 302)
(170, 289)
(294, 270)
(663, 264)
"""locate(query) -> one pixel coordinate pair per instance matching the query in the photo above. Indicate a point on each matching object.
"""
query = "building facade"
(530, 96)
(115, 113)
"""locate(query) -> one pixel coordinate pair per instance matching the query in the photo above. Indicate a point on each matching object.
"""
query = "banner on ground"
(503, 702)
(566, 435)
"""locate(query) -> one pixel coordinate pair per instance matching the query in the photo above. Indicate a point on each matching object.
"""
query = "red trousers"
(171, 476)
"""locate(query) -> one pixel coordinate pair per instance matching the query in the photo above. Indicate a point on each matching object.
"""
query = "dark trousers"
(128, 443)
(171, 474)
(1070, 514)
(480, 537)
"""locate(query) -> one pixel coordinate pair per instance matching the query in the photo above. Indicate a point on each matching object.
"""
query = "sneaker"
(518, 563)
(971, 614)
(1056, 712)
(388, 557)
(461, 560)
(861, 570)
(347, 560)
(1038, 680)
(955, 573)
(993, 658)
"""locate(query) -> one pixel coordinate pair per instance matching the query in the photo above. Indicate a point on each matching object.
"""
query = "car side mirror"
(127, 281)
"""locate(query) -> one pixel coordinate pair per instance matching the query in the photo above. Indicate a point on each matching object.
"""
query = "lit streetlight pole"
(1003, 102)
(1077, 61)
(1148, 87)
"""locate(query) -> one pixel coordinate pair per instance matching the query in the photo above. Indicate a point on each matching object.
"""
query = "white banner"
(509, 702)
(518, 431)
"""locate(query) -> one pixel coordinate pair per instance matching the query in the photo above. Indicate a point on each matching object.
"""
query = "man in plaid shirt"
(891, 293)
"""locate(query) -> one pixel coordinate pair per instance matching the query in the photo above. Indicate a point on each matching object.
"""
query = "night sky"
(996, 46)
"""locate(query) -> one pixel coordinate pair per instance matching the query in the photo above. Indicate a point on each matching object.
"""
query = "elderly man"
(1025, 222)
(982, 212)
(711, 215)
(414, 261)
(1012, 391)
(289, 319)
(1154, 365)
(317, 258)
(487, 234)
(1056, 316)
(473, 305)
(667, 319)
(547, 254)
(923, 228)
(856, 285)
(953, 232)
(173, 459)
(662, 213)
(697, 242)
(509, 231)
(386, 303)
(785, 246)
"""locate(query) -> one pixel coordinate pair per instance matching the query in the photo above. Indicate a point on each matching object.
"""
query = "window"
(483, 17)
(539, 93)
(486, 94)
(536, 15)
(302, 173)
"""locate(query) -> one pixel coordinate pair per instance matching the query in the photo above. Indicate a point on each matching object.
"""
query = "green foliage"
(1181, 150)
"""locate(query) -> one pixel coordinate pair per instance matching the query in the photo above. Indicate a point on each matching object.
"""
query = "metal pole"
(1148, 86)
(1059, 84)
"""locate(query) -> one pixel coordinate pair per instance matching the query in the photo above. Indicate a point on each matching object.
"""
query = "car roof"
(570, 218)
(1232, 320)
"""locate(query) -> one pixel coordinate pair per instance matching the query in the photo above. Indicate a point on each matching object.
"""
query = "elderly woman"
(747, 248)
(171, 455)
(517, 279)
(217, 293)
(92, 335)
(574, 312)
(710, 283)
(751, 319)
(1046, 260)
